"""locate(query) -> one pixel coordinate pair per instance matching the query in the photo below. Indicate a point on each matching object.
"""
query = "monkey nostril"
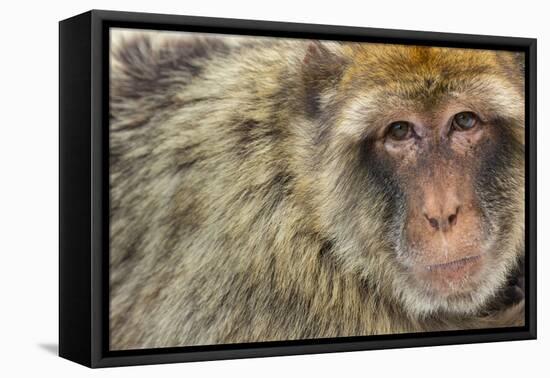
(452, 220)
(433, 222)
(453, 217)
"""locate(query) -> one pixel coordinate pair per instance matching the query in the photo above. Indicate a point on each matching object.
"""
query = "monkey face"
(428, 166)
(444, 241)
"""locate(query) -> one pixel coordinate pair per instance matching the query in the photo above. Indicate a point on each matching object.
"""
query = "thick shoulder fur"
(198, 194)
(142, 65)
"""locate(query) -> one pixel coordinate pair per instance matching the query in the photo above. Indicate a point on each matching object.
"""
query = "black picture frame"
(84, 191)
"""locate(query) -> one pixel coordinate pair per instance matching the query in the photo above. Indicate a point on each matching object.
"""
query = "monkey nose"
(442, 220)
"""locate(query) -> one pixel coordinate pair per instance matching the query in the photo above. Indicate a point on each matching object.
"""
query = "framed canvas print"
(234, 188)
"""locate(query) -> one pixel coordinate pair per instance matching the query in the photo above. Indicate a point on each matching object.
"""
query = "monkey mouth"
(454, 265)
(454, 277)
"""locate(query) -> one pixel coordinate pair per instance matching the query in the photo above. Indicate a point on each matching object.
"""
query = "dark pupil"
(465, 120)
(399, 130)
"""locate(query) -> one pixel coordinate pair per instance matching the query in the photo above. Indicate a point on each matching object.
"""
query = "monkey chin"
(461, 286)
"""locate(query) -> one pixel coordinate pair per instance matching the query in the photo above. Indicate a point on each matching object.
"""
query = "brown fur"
(243, 206)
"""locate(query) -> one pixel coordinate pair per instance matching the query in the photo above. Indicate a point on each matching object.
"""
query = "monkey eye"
(399, 130)
(464, 121)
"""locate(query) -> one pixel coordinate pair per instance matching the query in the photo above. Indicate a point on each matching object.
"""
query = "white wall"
(28, 190)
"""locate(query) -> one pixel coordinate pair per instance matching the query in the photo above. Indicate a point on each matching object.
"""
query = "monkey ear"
(322, 68)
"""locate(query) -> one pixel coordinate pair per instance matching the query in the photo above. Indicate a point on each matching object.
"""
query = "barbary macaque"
(279, 189)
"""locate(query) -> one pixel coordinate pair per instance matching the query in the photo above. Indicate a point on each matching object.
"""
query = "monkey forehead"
(428, 73)
(427, 80)
(488, 95)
